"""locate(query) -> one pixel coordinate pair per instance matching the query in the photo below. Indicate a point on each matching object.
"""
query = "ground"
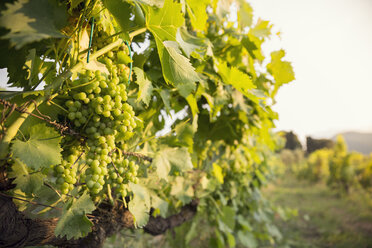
(325, 217)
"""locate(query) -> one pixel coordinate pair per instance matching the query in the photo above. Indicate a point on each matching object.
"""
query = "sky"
(329, 43)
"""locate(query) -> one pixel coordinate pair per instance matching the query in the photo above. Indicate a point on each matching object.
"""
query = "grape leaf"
(30, 21)
(28, 183)
(253, 45)
(282, 71)
(141, 192)
(145, 86)
(170, 156)
(41, 150)
(177, 69)
(73, 222)
(13, 60)
(156, 3)
(121, 12)
(160, 204)
(182, 190)
(140, 204)
(192, 45)
(75, 3)
(245, 14)
(238, 79)
(228, 217)
(139, 210)
(197, 10)
(165, 96)
(247, 239)
(163, 24)
(191, 100)
(261, 29)
(185, 134)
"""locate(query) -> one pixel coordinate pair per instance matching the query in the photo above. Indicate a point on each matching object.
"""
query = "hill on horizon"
(357, 141)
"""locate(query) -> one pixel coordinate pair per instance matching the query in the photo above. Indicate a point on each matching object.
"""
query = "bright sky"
(329, 43)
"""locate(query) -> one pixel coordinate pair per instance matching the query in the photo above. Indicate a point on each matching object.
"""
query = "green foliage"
(340, 169)
(167, 157)
(145, 86)
(42, 148)
(73, 222)
(140, 205)
(36, 20)
(28, 183)
(201, 73)
(281, 70)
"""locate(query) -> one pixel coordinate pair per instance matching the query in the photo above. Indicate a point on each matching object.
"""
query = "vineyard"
(328, 190)
(137, 116)
(339, 169)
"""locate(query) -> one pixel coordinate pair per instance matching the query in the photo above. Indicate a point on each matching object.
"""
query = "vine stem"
(13, 128)
(31, 202)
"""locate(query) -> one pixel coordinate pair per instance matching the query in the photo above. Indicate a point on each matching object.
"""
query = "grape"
(98, 109)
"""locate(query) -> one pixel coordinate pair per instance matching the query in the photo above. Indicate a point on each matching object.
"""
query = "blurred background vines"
(327, 161)
(127, 118)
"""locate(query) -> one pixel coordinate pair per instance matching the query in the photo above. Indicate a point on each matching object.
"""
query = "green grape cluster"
(98, 109)
(66, 171)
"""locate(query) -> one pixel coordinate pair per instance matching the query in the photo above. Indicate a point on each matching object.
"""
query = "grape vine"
(176, 134)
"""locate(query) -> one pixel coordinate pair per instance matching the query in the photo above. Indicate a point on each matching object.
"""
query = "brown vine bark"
(17, 230)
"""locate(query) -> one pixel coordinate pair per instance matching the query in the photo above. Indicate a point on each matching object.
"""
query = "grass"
(325, 218)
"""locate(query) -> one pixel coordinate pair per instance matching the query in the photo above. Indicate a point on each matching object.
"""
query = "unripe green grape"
(95, 177)
(119, 179)
(104, 170)
(103, 84)
(107, 130)
(71, 115)
(101, 181)
(111, 85)
(117, 112)
(106, 113)
(98, 150)
(60, 180)
(99, 109)
(73, 109)
(97, 90)
(69, 103)
(77, 104)
(64, 186)
(113, 175)
(126, 123)
(68, 179)
(90, 184)
(80, 96)
(104, 151)
(107, 107)
(102, 139)
(95, 163)
(82, 119)
(78, 115)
